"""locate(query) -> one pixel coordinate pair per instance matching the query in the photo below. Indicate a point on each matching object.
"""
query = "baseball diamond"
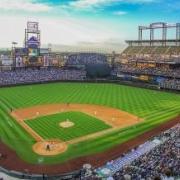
(93, 108)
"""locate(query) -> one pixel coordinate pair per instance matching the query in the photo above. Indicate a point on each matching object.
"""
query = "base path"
(35, 135)
(112, 116)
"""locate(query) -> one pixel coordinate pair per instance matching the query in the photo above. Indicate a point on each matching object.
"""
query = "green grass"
(48, 126)
(153, 106)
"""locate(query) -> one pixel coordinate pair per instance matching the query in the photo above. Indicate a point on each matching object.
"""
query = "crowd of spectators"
(152, 58)
(160, 163)
(128, 68)
(21, 76)
(171, 78)
(170, 84)
(86, 58)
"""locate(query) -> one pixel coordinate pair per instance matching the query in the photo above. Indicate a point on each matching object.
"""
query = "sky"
(83, 22)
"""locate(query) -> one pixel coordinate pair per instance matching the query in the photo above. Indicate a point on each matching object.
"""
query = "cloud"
(84, 4)
(89, 3)
(119, 13)
(23, 5)
(66, 31)
(45, 6)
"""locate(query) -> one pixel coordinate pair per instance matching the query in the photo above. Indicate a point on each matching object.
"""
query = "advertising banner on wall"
(33, 52)
(19, 61)
(143, 78)
(25, 60)
(21, 51)
(6, 61)
(55, 62)
(40, 60)
(160, 79)
(33, 60)
(46, 60)
(44, 51)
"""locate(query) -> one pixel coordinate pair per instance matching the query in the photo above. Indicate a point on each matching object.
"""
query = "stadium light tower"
(50, 47)
(14, 44)
(159, 25)
(13, 52)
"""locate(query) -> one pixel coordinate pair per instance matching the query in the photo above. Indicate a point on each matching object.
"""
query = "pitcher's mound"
(66, 124)
(50, 147)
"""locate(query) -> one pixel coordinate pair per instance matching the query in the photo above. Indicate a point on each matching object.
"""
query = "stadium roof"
(155, 41)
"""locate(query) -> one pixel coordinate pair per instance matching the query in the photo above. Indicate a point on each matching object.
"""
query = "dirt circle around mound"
(66, 124)
(49, 147)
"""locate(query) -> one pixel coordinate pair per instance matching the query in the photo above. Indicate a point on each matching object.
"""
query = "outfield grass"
(153, 106)
(48, 126)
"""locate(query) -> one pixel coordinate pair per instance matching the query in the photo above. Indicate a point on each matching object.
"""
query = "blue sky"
(89, 21)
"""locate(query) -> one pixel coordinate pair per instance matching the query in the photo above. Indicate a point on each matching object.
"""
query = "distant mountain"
(5, 49)
(101, 47)
(105, 47)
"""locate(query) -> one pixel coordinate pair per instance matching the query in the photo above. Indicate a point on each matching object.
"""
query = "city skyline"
(101, 23)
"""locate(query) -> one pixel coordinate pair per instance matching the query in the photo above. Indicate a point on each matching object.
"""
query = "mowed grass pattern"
(154, 107)
(48, 126)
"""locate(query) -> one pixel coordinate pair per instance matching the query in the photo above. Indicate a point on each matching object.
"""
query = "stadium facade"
(152, 60)
(155, 60)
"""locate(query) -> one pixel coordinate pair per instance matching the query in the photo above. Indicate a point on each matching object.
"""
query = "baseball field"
(53, 123)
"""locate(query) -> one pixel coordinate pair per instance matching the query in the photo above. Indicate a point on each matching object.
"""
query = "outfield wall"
(130, 83)
(121, 82)
(139, 84)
